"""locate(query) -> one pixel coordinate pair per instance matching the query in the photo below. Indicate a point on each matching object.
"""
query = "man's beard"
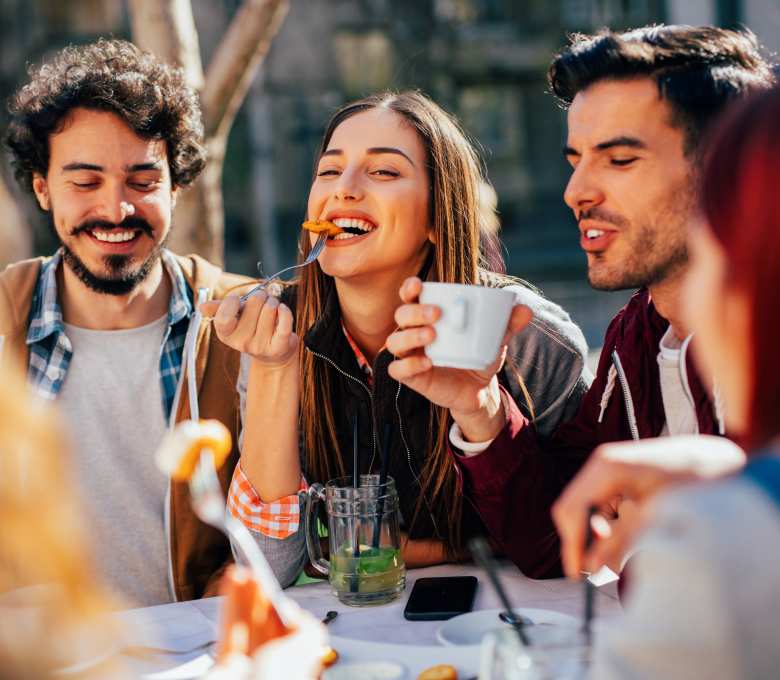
(657, 250)
(650, 263)
(120, 279)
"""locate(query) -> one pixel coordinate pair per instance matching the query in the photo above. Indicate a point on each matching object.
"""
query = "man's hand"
(471, 396)
(263, 329)
(635, 472)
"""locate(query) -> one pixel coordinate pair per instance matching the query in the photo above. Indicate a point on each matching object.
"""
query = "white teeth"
(343, 236)
(353, 223)
(114, 237)
(594, 233)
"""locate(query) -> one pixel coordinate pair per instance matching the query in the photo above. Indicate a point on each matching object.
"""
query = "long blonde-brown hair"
(455, 173)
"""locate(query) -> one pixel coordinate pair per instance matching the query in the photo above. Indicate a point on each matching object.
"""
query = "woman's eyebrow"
(373, 151)
(389, 149)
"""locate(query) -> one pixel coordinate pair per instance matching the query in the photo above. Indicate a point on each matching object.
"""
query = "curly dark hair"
(698, 69)
(108, 75)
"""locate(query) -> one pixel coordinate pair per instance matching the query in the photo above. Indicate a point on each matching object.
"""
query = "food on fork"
(182, 447)
(440, 672)
(318, 226)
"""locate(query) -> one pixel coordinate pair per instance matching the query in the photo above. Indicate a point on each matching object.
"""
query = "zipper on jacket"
(411, 465)
(626, 395)
(364, 386)
(403, 438)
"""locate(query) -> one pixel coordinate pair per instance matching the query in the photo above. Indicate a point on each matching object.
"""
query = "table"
(359, 634)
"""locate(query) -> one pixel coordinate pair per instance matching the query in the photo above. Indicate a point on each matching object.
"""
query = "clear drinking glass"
(556, 653)
(364, 536)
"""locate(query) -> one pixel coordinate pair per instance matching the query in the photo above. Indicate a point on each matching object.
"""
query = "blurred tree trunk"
(167, 28)
(15, 233)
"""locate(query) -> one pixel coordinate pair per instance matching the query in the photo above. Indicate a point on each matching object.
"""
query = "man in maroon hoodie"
(638, 107)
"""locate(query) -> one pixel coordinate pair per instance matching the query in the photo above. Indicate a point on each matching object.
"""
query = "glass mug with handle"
(364, 537)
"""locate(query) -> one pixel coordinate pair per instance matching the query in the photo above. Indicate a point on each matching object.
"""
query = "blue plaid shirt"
(51, 351)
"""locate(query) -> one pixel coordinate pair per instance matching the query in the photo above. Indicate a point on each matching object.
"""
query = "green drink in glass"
(366, 566)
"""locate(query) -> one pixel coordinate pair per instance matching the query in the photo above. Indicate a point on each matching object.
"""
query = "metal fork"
(146, 650)
(209, 505)
(314, 253)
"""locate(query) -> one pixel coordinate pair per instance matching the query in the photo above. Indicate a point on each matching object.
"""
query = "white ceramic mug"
(472, 324)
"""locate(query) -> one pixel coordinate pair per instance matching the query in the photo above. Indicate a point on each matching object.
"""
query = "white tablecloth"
(359, 634)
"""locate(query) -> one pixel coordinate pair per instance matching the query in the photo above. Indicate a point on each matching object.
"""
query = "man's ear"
(41, 189)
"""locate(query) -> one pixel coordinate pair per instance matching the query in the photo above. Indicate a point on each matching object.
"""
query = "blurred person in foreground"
(52, 606)
(639, 104)
(705, 587)
(106, 137)
(54, 610)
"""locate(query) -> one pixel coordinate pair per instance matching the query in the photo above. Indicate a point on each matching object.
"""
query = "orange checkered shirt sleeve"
(279, 519)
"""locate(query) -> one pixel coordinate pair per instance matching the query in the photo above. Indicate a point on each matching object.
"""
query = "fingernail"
(272, 302)
(429, 313)
(600, 526)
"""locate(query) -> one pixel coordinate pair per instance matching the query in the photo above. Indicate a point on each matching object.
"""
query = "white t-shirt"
(112, 400)
(678, 403)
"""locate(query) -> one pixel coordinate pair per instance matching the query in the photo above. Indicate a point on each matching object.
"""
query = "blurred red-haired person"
(705, 578)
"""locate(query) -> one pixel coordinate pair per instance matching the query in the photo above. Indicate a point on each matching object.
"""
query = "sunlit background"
(484, 60)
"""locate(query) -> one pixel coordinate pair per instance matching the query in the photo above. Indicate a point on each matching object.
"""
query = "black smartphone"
(440, 598)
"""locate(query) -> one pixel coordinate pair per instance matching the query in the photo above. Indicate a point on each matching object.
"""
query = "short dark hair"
(698, 69)
(108, 75)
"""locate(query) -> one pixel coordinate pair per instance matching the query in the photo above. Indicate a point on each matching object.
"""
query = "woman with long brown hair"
(400, 177)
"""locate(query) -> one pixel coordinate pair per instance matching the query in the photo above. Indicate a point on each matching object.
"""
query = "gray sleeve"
(550, 355)
(678, 621)
(285, 555)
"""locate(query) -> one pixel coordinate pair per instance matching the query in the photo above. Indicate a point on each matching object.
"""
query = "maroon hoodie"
(514, 483)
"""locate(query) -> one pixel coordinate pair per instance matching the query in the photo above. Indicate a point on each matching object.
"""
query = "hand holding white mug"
(472, 396)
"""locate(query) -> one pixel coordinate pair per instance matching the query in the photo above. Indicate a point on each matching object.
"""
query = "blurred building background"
(484, 60)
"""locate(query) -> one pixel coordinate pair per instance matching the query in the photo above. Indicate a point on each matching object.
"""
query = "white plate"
(469, 629)
(370, 670)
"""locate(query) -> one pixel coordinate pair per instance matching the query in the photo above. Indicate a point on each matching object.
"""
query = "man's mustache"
(128, 224)
(602, 215)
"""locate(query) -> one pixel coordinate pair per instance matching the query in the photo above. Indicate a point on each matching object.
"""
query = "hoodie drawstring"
(610, 387)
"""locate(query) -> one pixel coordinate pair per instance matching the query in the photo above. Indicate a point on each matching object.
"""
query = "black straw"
(481, 554)
(354, 584)
(380, 506)
(356, 478)
(590, 588)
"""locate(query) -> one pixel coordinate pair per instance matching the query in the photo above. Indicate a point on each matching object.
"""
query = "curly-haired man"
(106, 136)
